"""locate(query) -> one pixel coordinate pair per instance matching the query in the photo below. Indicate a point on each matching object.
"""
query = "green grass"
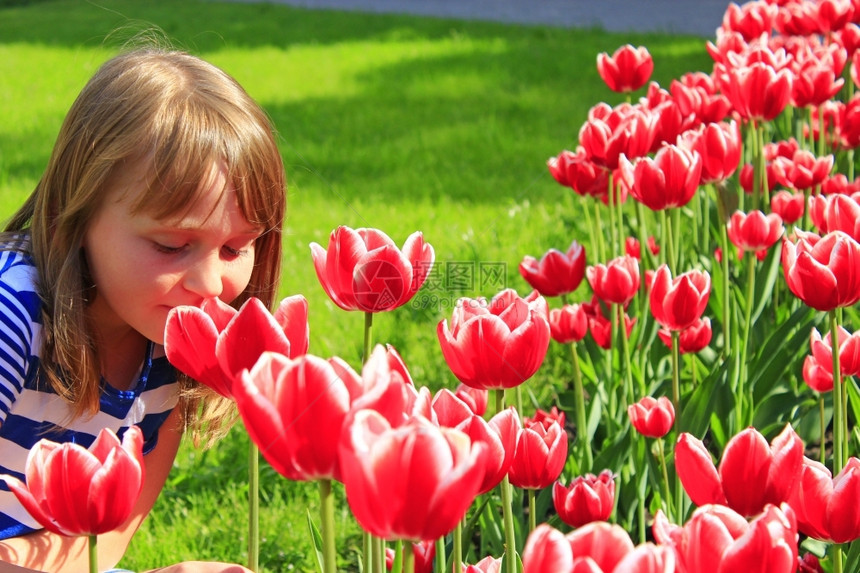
(393, 122)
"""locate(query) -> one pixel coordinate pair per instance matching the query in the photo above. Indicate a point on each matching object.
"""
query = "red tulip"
(627, 70)
(600, 328)
(556, 273)
(751, 473)
(823, 272)
(814, 83)
(427, 476)
(679, 303)
(624, 130)
(652, 417)
(826, 507)
(833, 15)
(576, 171)
(568, 323)
(600, 547)
(294, 411)
(754, 231)
(699, 101)
(363, 269)
(500, 436)
(849, 351)
(548, 550)
(488, 564)
(476, 398)
(385, 386)
(802, 170)
(588, 498)
(757, 91)
(617, 281)
(540, 454)
(796, 19)
(214, 343)
(74, 491)
(840, 213)
(719, 146)
(789, 206)
(817, 376)
(808, 564)
(751, 19)
(718, 539)
(668, 180)
(495, 345)
(693, 339)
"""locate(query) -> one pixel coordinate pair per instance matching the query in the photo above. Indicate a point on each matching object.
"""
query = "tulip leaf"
(852, 562)
(769, 414)
(316, 540)
(764, 289)
(853, 396)
(712, 392)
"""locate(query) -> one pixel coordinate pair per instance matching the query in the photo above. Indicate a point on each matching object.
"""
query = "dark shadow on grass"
(529, 91)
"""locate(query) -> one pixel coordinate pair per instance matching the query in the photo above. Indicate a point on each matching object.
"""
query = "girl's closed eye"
(167, 249)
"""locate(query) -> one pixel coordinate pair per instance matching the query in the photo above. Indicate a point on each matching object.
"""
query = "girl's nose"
(204, 278)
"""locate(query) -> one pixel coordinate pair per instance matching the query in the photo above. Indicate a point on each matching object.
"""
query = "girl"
(165, 188)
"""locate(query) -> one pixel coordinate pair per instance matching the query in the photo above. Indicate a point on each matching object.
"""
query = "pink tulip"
(363, 269)
(823, 272)
(568, 323)
(652, 417)
(617, 281)
(74, 491)
(718, 539)
(789, 206)
(751, 472)
(547, 550)
(693, 339)
(496, 345)
(475, 398)
(214, 343)
(678, 303)
(588, 498)
(627, 70)
(488, 564)
(802, 170)
(294, 411)
(848, 350)
(826, 507)
(670, 179)
(719, 146)
(600, 547)
(540, 454)
(757, 91)
(427, 476)
(625, 130)
(556, 273)
(754, 231)
(577, 171)
(499, 435)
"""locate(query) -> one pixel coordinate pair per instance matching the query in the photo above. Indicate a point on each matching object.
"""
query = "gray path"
(695, 17)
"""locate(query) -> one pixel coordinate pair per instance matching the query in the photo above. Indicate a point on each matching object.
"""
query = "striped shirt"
(31, 410)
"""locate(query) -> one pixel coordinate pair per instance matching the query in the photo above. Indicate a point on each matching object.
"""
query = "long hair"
(181, 115)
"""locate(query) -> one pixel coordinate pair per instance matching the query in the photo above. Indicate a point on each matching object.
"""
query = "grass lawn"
(399, 123)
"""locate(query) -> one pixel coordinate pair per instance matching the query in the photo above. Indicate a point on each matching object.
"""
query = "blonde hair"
(181, 115)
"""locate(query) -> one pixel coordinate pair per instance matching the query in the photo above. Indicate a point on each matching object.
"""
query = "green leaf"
(316, 540)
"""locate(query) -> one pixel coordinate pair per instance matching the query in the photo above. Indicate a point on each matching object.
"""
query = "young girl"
(165, 188)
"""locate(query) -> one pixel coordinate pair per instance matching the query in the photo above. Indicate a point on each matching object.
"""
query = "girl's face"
(142, 267)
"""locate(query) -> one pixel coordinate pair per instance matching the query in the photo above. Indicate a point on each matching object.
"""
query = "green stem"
(368, 334)
(839, 437)
(327, 520)
(614, 250)
(676, 399)
(94, 553)
(670, 509)
(507, 501)
(724, 262)
(601, 250)
(457, 549)
(745, 343)
(823, 429)
(532, 510)
(581, 422)
(625, 350)
(676, 235)
(253, 507)
(367, 551)
(379, 555)
(409, 560)
(440, 556)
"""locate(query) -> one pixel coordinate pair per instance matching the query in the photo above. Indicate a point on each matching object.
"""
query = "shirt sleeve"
(19, 331)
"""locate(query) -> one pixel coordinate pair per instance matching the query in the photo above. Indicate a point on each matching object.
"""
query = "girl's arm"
(47, 551)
